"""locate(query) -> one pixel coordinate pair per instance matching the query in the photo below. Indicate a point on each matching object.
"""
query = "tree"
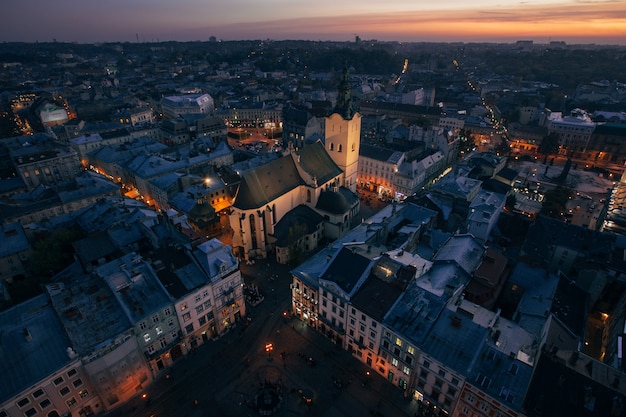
(53, 252)
(554, 203)
(296, 232)
(549, 145)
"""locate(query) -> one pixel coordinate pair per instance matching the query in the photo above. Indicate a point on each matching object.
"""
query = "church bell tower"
(343, 134)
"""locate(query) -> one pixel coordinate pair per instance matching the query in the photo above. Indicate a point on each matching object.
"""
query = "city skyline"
(571, 21)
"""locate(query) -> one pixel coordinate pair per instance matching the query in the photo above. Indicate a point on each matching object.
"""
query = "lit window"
(146, 337)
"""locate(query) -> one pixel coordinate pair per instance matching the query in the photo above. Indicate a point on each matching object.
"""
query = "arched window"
(340, 148)
(332, 146)
(353, 147)
(308, 196)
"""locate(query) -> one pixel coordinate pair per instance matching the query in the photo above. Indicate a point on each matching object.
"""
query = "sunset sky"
(86, 21)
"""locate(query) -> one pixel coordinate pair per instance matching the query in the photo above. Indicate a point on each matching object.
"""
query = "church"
(288, 206)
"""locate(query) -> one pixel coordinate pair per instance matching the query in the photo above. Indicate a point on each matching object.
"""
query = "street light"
(268, 348)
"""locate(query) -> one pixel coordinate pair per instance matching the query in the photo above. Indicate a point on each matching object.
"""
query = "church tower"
(343, 134)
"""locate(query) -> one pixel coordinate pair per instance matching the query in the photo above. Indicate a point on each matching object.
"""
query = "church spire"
(344, 98)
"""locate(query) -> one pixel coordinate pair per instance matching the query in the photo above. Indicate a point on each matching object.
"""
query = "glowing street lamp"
(268, 348)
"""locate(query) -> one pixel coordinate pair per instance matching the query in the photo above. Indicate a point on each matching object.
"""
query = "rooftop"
(135, 286)
(88, 309)
(33, 345)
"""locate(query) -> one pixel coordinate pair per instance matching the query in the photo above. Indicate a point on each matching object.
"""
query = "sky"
(89, 21)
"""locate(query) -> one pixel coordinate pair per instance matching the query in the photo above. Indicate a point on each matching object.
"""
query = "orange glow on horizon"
(585, 21)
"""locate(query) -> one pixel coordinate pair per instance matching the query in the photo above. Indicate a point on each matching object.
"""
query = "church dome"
(333, 202)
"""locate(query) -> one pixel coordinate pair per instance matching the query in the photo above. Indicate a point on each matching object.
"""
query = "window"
(71, 373)
(197, 298)
(483, 380)
(426, 364)
(143, 325)
(183, 307)
(64, 391)
(84, 393)
(207, 304)
(159, 330)
(71, 402)
(155, 318)
(455, 381)
(514, 368)
(167, 311)
(23, 402)
(202, 321)
(58, 381)
(189, 328)
(162, 342)
(442, 373)
(406, 370)
(45, 403)
(398, 341)
(38, 393)
(30, 412)
(77, 383)
(394, 362)
(146, 337)
(199, 309)
(507, 394)
(186, 316)
(170, 323)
